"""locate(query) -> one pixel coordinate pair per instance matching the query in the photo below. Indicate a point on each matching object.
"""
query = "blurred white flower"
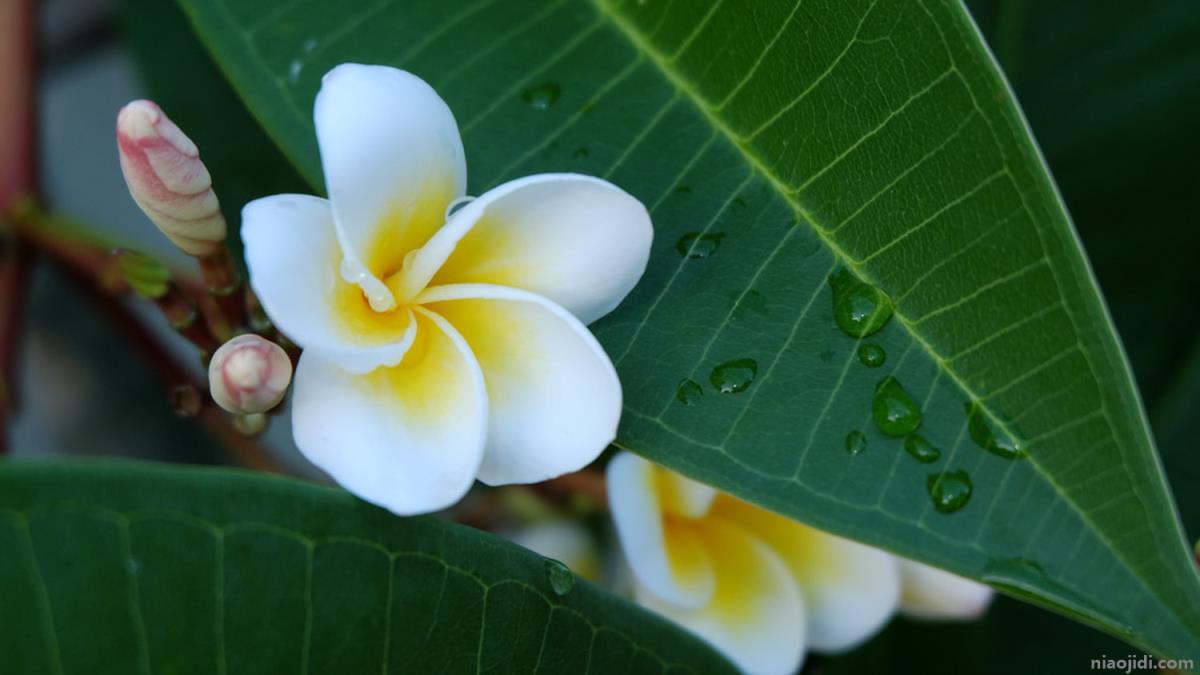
(564, 540)
(167, 179)
(760, 587)
(440, 346)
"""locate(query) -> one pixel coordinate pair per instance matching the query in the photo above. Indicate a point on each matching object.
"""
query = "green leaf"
(126, 568)
(1122, 79)
(777, 143)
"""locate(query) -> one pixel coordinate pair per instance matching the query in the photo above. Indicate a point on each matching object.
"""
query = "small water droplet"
(542, 96)
(309, 45)
(859, 308)
(856, 442)
(132, 566)
(456, 205)
(185, 400)
(922, 450)
(562, 579)
(696, 245)
(894, 411)
(688, 392)
(294, 69)
(872, 356)
(981, 432)
(949, 490)
(352, 271)
(734, 377)
(581, 153)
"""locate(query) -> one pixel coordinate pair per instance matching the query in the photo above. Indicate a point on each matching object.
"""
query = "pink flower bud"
(166, 178)
(249, 374)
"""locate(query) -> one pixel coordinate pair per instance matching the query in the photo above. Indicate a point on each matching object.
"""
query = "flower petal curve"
(393, 161)
(580, 241)
(292, 254)
(850, 590)
(931, 593)
(408, 438)
(666, 557)
(756, 616)
(554, 397)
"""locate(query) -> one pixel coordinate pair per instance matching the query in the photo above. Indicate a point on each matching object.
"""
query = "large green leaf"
(136, 568)
(776, 142)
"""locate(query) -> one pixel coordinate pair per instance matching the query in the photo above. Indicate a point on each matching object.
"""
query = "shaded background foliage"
(1110, 89)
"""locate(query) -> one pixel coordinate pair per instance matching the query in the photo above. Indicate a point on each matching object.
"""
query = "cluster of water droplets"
(861, 310)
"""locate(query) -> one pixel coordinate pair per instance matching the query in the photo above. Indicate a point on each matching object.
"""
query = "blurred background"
(1111, 89)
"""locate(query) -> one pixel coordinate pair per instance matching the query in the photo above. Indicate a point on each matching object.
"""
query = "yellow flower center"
(374, 309)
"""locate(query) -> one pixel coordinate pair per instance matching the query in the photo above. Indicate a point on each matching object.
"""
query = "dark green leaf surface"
(776, 142)
(137, 568)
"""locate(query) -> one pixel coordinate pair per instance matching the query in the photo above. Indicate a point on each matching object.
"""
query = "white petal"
(293, 255)
(850, 590)
(756, 616)
(554, 397)
(666, 557)
(393, 161)
(931, 593)
(408, 438)
(580, 241)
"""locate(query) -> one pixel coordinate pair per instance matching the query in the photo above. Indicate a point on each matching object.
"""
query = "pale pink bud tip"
(166, 178)
(249, 374)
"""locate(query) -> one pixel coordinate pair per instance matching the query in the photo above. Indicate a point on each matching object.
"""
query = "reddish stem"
(244, 450)
(18, 176)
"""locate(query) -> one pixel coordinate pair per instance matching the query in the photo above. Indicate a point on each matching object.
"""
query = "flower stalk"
(151, 279)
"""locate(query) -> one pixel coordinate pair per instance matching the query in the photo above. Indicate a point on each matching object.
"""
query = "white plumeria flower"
(762, 588)
(438, 351)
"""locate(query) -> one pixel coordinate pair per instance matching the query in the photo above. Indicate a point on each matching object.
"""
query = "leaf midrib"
(688, 90)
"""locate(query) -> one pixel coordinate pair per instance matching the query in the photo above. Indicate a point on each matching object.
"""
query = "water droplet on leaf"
(734, 377)
(856, 442)
(949, 490)
(688, 392)
(696, 245)
(872, 356)
(922, 450)
(859, 308)
(542, 96)
(894, 411)
(981, 432)
(562, 579)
